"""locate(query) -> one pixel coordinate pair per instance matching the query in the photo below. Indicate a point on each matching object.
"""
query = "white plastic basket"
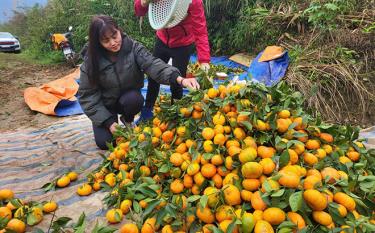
(167, 13)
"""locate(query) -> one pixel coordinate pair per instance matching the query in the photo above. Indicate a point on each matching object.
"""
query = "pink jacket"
(192, 29)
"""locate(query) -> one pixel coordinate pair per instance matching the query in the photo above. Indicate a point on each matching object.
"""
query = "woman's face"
(112, 41)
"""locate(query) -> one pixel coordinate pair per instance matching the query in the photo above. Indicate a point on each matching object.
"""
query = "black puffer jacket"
(99, 100)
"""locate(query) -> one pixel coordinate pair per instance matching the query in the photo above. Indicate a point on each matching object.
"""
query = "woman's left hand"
(188, 82)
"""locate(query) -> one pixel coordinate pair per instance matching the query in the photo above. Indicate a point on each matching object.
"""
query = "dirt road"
(16, 74)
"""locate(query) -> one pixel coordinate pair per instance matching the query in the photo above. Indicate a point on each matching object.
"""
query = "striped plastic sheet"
(30, 158)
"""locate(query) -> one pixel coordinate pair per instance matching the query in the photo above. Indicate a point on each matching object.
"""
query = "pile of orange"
(15, 213)
(242, 159)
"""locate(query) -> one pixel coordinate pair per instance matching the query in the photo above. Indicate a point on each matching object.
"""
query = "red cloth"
(192, 29)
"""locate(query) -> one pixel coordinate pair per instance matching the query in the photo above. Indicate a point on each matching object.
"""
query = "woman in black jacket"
(112, 76)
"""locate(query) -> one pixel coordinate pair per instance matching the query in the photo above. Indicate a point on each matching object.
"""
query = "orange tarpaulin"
(45, 98)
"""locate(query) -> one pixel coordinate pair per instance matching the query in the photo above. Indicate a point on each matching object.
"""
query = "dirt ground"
(16, 74)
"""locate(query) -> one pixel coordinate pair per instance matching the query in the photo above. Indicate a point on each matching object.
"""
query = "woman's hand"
(113, 127)
(145, 3)
(205, 67)
(188, 82)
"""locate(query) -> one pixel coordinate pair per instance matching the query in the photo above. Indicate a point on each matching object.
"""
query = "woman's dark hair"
(100, 26)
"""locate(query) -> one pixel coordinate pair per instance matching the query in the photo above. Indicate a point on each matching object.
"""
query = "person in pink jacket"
(177, 43)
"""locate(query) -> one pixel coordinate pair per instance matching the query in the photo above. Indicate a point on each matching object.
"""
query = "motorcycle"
(62, 41)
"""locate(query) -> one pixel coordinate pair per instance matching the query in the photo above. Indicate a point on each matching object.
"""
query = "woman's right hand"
(188, 82)
(113, 127)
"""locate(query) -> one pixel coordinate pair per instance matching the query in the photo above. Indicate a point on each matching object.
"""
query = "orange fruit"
(258, 215)
(262, 226)
(299, 148)
(114, 215)
(314, 172)
(197, 114)
(282, 125)
(129, 228)
(246, 195)
(208, 170)
(353, 156)
(208, 146)
(233, 150)
(224, 225)
(322, 218)
(310, 159)
(185, 112)
(344, 160)
(219, 139)
(345, 200)
(5, 212)
(149, 226)
(327, 148)
(224, 212)
(212, 93)
(84, 190)
(49, 207)
(326, 137)
(208, 133)
(247, 155)
(193, 169)
(219, 129)
(181, 131)
(289, 179)
(63, 181)
(231, 143)
(213, 196)
(176, 159)
(342, 210)
(274, 215)
(144, 170)
(218, 119)
(229, 163)
(251, 170)
(312, 144)
(217, 160)
(199, 179)
(205, 214)
(300, 125)
(72, 176)
(181, 148)
(239, 133)
(331, 174)
(167, 229)
(296, 219)
(271, 184)
(312, 182)
(188, 181)
(266, 152)
(268, 166)
(320, 153)
(16, 225)
(143, 204)
(315, 199)
(257, 202)
(250, 142)
(283, 114)
(251, 184)
(232, 195)
(6, 194)
(125, 206)
(167, 136)
(177, 186)
(218, 181)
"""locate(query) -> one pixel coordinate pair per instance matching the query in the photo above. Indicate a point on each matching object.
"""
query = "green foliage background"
(234, 25)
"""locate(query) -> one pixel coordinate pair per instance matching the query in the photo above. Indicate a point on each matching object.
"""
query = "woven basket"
(167, 13)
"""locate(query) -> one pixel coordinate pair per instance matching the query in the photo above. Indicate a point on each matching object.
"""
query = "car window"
(6, 35)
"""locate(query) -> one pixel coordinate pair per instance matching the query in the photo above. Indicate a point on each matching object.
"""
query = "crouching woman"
(112, 76)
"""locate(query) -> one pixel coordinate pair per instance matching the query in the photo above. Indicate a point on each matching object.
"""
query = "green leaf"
(295, 201)
(164, 168)
(37, 230)
(284, 158)
(151, 206)
(203, 201)
(279, 193)
(193, 198)
(81, 220)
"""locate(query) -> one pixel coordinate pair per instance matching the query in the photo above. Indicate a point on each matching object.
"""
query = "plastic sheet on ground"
(30, 158)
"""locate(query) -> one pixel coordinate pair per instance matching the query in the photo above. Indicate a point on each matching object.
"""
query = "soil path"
(16, 74)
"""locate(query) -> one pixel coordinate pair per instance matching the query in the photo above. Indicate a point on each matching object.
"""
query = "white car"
(9, 43)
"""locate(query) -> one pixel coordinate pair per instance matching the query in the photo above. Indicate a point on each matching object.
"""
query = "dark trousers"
(180, 59)
(128, 105)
